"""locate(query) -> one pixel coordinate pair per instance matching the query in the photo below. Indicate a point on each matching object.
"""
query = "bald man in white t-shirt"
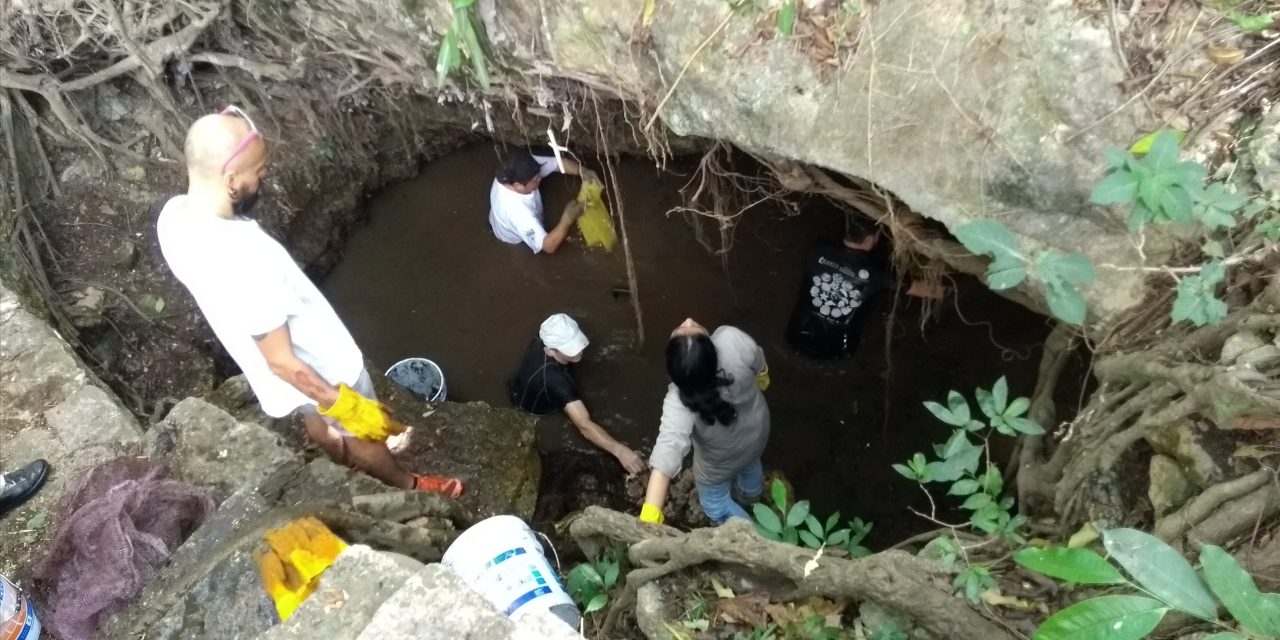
(515, 205)
(273, 321)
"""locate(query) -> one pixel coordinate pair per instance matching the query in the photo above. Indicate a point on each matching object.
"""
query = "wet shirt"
(838, 282)
(517, 217)
(542, 385)
(720, 452)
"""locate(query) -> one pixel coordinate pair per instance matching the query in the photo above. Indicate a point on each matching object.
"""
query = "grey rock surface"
(207, 446)
(349, 594)
(1169, 487)
(51, 407)
(436, 604)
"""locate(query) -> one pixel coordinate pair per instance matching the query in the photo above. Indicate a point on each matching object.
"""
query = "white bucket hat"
(561, 333)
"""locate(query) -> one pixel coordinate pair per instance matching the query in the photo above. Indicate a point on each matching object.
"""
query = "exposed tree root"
(893, 579)
(1172, 527)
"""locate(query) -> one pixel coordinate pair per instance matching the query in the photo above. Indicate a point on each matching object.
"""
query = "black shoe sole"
(44, 474)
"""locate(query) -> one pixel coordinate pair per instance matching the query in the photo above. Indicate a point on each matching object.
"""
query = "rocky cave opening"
(424, 277)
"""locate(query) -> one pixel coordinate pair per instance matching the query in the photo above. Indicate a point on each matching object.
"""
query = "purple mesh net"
(118, 527)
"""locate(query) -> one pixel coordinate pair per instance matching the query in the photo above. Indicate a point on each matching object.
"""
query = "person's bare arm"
(277, 347)
(556, 236)
(581, 418)
(656, 493)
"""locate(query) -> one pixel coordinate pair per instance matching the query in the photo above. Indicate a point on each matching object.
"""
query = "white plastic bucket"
(421, 376)
(500, 557)
(18, 619)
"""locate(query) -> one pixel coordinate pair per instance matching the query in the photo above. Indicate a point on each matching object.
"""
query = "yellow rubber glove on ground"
(364, 418)
(651, 514)
(297, 554)
(762, 379)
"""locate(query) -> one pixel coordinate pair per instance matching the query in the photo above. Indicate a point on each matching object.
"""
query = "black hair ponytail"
(694, 367)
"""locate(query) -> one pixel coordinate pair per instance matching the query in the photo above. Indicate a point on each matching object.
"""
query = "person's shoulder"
(730, 335)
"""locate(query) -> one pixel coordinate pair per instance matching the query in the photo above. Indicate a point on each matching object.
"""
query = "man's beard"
(246, 206)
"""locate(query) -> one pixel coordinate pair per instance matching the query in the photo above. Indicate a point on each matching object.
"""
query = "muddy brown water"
(426, 277)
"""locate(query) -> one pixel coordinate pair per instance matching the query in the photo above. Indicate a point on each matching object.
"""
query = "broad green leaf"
(787, 17)
(1197, 299)
(1000, 393)
(1115, 157)
(1074, 267)
(1120, 187)
(839, 538)
(986, 403)
(964, 460)
(610, 575)
(1065, 303)
(797, 513)
(1213, 249)
(904, 471)
(1237, 591)
(1119, 617)
(461, 4)
(992, 483)
(977, 501)
(1016, 408)
(766, 518)
(959, 407)
(814, 526)
(1143, 144)
(1025, 426)
(1163, 154)
(832, 521)
(597, 603)
(1251, 23)
(1160, 570)
(810, 540)
(987, 237)
(963, 487)
(957, 444)
(940, 412)
(1006, 271)
(791, 536)
(1080, 566)
(779, 493)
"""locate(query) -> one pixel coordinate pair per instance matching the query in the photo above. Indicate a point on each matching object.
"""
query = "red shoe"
(451, 487)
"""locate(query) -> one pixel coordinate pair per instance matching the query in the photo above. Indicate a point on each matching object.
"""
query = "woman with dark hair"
(714, 405)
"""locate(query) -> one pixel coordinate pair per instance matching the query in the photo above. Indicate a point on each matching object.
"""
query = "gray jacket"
(720, 453)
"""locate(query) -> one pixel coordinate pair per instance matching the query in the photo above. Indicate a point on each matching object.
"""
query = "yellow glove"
(762, 379)
(364, 418)
(298, 553)
(651, 514)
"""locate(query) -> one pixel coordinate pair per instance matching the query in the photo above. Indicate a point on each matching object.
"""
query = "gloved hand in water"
(762, 379)
(296, 555)
(364, 418)
(588, 175)
(651, 514)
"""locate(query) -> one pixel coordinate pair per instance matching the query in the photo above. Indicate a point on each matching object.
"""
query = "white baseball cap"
(561, 333)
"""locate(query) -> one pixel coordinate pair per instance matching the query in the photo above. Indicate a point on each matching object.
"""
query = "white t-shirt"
(246, 285)
(517, 217)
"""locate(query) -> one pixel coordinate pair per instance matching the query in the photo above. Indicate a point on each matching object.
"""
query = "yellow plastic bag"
(595, 224)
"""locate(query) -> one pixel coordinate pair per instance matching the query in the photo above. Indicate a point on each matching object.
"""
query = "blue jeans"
(717, 500)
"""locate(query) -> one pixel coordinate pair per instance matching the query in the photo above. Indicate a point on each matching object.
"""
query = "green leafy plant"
(889, 631)
(972, 581)
(743, 7)
(787, 17)
(590, 583)
(1159, 186)
(463, 37)
(1061, 273)
(794, 524)
(959, 459)
(1161, 581)
(1249, 22)
(1197, 300)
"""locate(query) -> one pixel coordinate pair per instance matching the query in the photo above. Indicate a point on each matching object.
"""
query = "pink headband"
(244, 142)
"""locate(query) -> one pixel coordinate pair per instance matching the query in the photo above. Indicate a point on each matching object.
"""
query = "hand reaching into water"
(632, 462)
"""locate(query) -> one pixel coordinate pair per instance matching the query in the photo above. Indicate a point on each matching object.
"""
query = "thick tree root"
(893, 579)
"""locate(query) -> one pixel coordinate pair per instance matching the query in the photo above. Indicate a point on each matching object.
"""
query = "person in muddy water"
(840, 279)
(273, 321)
(544, 383)
(515, 204)
(715, 405)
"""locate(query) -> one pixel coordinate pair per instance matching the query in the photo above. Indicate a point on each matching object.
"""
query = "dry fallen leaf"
(1254, 422)
(1088, 533)
(1255, 451)
(721, 590)
(1224, 55)
(997, 599)
(748, 609)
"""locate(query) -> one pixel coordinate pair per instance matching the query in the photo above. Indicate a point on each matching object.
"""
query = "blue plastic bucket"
(420, 376)
(17, 617)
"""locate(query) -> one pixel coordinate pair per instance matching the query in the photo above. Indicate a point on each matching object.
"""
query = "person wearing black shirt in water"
(544, 384)
(839, 280)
